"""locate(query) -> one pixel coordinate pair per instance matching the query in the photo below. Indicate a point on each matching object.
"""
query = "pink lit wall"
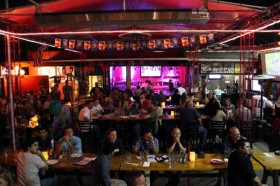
(175, 73)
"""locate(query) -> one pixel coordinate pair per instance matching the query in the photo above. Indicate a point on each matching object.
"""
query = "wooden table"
(199, 165)
(10, 158)
(271, 165)
(113, 117)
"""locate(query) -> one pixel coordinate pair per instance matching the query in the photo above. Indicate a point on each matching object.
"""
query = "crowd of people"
(50, 136)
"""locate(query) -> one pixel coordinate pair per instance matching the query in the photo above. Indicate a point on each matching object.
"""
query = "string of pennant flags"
(133, 45)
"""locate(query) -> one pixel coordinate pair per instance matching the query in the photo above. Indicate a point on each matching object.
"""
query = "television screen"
(150, 71)
(255, 85)
(214, 76)
(271, 64)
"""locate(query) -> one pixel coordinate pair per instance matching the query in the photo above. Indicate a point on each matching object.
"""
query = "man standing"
(240, 167)
(29, 164)
(67, 91)
(257, 105)
(218, 93)
(181, 90)
(92, 91)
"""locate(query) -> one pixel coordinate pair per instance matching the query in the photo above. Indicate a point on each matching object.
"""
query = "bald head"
(234, 134)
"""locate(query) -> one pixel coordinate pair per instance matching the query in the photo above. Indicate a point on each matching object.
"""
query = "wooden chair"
(217, 130)
(192, 133)
(85, 128)
(246, 129)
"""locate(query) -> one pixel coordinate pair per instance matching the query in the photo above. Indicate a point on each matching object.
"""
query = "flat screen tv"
(271, 64)
(150, 71)
(255, 86)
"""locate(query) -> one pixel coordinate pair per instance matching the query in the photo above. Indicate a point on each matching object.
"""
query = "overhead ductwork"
(184, 16)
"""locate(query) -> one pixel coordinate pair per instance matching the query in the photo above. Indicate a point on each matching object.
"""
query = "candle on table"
(192, 156)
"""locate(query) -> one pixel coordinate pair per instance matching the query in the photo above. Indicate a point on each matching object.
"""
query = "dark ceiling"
(160, 18)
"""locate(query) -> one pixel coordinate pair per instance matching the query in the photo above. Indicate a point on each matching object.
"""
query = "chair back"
(192, 133)
(217, 134)
(218, 127)
(84, 126)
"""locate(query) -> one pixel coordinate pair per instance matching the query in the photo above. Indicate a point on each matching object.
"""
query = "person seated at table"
(231, 140)
(112, 145)
(229, 107)
(6, 178)
(176, 144)
(86, 115)
(150, 115)
(126, 107)
(69, 142)
(240, 167)
(96, 108)
(135, 108)
(161, 97)
(29, 163)
(175, 99)
(44, 139)
(101, 172)
(216, 113)
(135, 178)
(191, 115)
(117, 108)
(115, 96)
(147, 144)
(97, 94)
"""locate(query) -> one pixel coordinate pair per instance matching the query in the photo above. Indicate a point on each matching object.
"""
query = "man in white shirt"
(96, 108)
(257, 105)
(29, 164)
(181, 90)
(85, 113)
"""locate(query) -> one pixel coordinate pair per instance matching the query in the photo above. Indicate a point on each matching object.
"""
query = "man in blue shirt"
(69, 142)
(148, 143)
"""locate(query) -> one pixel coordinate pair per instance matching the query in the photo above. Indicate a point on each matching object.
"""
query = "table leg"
(275, 175)
(265, 176)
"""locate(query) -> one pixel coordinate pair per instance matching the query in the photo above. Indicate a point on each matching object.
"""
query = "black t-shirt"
(108, 148)
(240, 170)
(44, 144)
(176, 148)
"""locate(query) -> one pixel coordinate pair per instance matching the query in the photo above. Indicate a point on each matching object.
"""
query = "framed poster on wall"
(206, 68)
(217, 68)
(228, 68)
